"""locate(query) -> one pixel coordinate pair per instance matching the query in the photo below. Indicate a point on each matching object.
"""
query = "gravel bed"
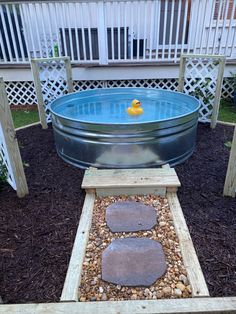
(174, 284)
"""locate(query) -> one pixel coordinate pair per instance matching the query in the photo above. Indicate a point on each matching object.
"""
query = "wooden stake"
(11, 143)
(39, 94)
(216, 104)
(230, 181)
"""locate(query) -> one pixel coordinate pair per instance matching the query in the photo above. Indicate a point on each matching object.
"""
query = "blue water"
(110, 108)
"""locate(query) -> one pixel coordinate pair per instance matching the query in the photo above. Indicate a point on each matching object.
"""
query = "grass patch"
(21, 118)
(227, 111)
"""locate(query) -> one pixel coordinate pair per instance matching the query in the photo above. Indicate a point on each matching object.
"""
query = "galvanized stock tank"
(93, 128)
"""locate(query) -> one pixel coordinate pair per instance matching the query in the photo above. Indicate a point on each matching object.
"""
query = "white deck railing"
(107, 32)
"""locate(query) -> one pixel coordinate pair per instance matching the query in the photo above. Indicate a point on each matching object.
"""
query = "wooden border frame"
(37, 83)
(230, 180)
(216, 104)
(172, 306)
(73, 276)
(200, 305)
(12, 143)
(130, 184)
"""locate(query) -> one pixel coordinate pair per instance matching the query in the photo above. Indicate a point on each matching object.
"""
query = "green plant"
(3, 173)
(233, 79)
(203, 92)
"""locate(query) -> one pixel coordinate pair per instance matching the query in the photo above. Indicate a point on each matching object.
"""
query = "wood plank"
(130, 178)
(73, 276)
(172, 306)
(230, 180)
(27, 126)
(39, 94)
(216, 104)
(190, 259)
(12, 146)
(131, 191)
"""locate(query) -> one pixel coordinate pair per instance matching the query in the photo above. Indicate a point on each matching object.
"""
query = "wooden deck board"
(190, 259)
(172, 306)
(120, 178)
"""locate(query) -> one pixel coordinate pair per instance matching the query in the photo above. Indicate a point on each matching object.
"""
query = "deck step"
(131, 181)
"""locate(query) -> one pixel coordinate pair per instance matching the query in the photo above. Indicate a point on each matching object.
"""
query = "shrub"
(3, 173)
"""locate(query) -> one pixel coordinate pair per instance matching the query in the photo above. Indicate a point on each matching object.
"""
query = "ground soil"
(37, 232)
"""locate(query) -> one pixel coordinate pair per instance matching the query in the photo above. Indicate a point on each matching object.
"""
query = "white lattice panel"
(5, 158)
(200, 80)
(52, 74)
(227, 88)
(23, 93)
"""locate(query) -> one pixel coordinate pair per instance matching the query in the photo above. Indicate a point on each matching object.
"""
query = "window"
(221, 7)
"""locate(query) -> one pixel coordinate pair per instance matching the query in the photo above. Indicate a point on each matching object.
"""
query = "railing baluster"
(210, 26)
(77, 48)
(158, 4)
(138, 29)
(125, 36)
(203, 27)
(29, 20)
(145, 30)
(216, 35)
(164, 31)
(50, 30)
(234, 36)
(151, 30)
(131, 30)
(230, 29)
(68, 22)
(180, 3)
(196, 29)
(22, 15)
(37, 30)
(82, 29)
(171, 28)
(89, 32)
(12, 33)
(3, 48)
(18, 33)
(118, 30)
(223, 29)
(6, 34)
(56, 19)
(44, 30)
(184, 26)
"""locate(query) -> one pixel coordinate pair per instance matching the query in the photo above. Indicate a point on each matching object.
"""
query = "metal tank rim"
(124, 89)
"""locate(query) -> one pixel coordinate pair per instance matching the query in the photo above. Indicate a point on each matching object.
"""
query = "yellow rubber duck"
(135, 108)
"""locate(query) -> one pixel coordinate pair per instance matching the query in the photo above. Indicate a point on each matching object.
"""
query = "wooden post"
(230, 181)
(39, 94)
(69, 75)
(216, 104)
(181, 73)
(11, 143)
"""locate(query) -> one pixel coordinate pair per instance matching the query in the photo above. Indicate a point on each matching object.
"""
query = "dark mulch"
(211, 218)
(37, 232)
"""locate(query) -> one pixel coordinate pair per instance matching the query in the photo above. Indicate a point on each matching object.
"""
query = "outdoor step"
(130, 181)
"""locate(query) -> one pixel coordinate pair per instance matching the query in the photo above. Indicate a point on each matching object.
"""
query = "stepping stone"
(130, 216)
(133, 262)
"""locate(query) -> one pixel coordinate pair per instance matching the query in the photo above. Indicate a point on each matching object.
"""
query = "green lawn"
(227, 111)
(21, 118)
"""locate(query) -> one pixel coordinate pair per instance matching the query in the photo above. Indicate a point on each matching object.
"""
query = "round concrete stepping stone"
(133, 262)
(130, 216)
